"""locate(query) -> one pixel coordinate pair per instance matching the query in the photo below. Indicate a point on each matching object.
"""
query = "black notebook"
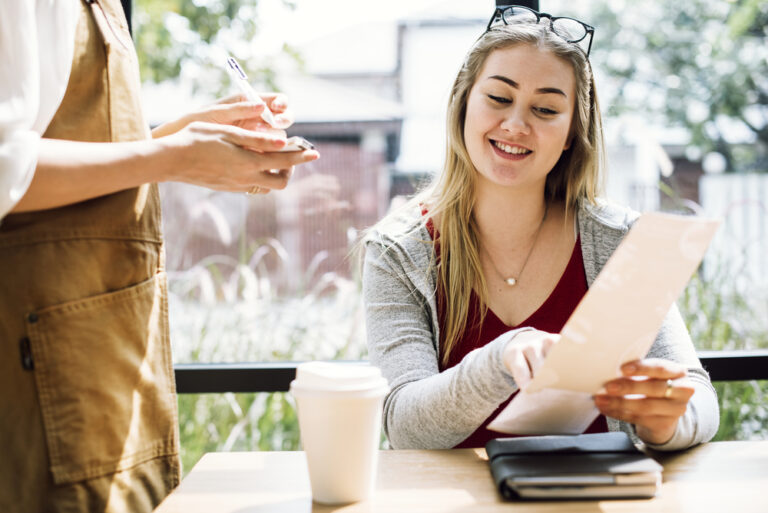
(602, 465)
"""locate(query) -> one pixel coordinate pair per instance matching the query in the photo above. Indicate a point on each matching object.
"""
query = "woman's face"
(519, 115)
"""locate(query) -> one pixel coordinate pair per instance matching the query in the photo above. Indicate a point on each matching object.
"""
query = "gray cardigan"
(428, 409)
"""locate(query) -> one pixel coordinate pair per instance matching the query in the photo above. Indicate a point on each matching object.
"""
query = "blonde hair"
(577, 175)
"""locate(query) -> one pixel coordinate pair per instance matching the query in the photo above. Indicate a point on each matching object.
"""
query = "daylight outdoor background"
(684, 91)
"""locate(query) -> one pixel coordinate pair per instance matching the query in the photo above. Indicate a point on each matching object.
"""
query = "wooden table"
(721, 477)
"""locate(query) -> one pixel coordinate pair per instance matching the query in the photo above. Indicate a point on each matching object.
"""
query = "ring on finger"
(668, 390)
(253, 190)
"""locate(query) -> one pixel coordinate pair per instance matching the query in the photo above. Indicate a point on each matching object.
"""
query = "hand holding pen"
(240, 80)
(235, 110)
(224, 146)
(249, 110)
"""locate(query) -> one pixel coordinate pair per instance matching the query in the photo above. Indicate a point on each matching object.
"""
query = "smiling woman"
(467, 285)
(517, 127)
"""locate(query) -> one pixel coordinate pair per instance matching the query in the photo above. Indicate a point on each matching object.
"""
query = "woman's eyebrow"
(541, 90)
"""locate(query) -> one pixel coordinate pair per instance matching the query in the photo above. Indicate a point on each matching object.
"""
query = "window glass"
(682, 87)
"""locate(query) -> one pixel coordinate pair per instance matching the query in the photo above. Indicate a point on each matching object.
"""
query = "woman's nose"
(516, 122)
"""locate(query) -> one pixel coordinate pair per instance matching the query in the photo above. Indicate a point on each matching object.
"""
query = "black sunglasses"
(570, 29)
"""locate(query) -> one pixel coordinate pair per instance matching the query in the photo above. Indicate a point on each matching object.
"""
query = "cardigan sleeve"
(701, 419)
(426, 408)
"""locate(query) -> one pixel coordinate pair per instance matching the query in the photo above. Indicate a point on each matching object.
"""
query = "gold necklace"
(511, 280)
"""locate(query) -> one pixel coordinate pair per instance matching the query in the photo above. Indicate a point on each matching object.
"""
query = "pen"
(241, 80)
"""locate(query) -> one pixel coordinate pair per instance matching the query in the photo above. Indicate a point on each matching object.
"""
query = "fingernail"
(282, 120)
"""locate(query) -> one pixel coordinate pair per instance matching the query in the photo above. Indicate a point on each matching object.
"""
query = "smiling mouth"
(512, 150)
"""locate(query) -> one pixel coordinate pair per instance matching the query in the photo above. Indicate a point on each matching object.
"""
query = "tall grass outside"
(223, 310)
(722, 317)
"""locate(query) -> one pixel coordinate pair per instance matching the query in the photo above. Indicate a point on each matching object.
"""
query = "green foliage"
(159, 54)
(174, 35)
(743, 411)
(236, 422)
(720, 316)
(699, 64)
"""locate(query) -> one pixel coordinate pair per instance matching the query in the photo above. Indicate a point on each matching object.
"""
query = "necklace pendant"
(511, 281)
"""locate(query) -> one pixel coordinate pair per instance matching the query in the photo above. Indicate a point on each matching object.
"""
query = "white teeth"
(514, 150)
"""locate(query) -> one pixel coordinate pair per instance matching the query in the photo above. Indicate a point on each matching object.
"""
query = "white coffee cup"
(339, 409)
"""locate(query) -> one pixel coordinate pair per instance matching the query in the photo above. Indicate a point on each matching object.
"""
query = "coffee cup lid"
(338, 376)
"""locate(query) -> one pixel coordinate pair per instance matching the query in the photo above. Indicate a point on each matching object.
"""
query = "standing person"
(466, 287)
(88, 402)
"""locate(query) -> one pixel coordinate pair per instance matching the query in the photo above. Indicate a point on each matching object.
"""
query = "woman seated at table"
(466, 287)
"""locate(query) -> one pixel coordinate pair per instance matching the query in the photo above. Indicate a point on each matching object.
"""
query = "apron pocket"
(105, 381)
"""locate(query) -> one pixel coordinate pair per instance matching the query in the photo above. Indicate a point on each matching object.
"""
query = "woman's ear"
(568, 143)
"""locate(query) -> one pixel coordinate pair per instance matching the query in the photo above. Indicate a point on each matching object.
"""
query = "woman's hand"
(231, 158)
(236, 111)
(525, 353)
(653, 395)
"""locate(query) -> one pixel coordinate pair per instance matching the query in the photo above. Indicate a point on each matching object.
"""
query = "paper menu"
(619, 317)
(547, 412)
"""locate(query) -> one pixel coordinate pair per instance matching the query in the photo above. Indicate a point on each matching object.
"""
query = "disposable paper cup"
(339, 408)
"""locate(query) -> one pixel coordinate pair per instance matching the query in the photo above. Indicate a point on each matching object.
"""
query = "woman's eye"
(499, 99)
(546, 112)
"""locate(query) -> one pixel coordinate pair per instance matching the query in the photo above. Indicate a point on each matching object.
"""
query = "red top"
(550, 316)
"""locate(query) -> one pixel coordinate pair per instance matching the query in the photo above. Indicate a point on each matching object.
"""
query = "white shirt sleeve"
(37, 39)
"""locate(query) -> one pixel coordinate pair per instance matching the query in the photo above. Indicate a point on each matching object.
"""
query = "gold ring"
(253, 190)
(668, 391)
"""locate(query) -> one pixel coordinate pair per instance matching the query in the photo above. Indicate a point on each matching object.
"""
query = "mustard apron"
(87, 396)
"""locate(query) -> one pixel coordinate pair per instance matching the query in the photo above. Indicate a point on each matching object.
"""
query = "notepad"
(616, 322)
(603, 465)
